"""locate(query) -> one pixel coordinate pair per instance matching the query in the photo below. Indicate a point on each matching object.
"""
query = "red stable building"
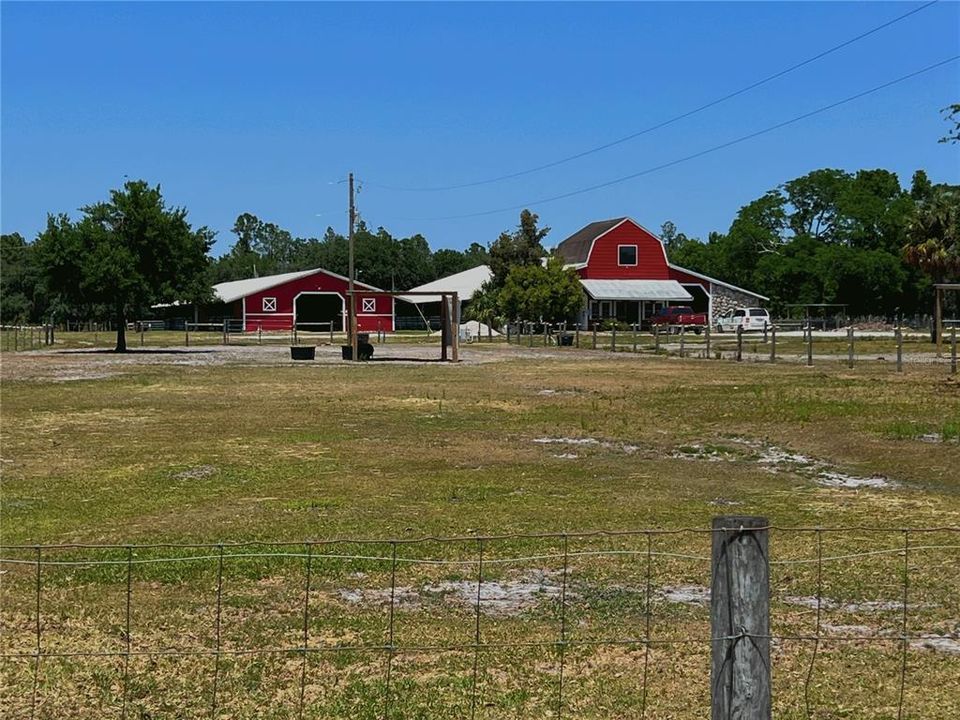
(307, 300)
(626, 276)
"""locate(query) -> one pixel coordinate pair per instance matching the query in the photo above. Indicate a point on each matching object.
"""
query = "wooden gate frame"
(449, 319)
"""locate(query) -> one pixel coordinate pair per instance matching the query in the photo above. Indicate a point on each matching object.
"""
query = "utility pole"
(352, 314)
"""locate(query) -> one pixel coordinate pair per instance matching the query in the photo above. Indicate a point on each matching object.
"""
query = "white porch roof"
(655, 290)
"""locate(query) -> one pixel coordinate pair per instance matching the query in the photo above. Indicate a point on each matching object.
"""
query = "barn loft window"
(627, 254)
(369, 305)
(269, 304)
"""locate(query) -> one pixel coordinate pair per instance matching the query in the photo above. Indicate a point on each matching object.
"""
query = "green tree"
(485, 306)
(522, 247)
(274, 245)
(20, 296)
(125, 255)
(934, 234)
(548, 293)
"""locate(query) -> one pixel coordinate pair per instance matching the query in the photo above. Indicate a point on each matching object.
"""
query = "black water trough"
(303, 352)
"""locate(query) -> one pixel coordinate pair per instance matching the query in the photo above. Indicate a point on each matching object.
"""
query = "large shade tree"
(125, 255)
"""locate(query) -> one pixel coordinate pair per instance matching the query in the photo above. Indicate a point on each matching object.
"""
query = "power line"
(664, 123)
(701, 153)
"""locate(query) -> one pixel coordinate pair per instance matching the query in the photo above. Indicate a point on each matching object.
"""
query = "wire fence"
(522, 624)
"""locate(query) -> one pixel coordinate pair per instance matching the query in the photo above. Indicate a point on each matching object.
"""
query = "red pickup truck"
(677, 315)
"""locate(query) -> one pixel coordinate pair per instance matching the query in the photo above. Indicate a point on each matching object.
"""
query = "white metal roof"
(717, 282)
(236, 289)
(657, 290)
(464, 284)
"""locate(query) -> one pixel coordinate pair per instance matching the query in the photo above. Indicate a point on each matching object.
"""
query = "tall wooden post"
(809, 344)
(850, 347)
(683, 334)
(740, 619)
(444, 327)
(656, 339)
(706, 334)
(594, 336)
(739, 343)
(953, 350)
(613, 338)
(577, 337)
(938, 319)
(455, 307)
(635, 338)
(899, 349)
(773, 343)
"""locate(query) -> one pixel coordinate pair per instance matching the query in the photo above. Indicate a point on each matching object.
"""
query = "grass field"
(244, 446)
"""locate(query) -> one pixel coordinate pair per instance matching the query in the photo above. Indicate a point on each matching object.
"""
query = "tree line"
(829, 236)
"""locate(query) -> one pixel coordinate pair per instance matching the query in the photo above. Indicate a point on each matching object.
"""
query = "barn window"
(627, 254)
(269, 304)
(369, 305)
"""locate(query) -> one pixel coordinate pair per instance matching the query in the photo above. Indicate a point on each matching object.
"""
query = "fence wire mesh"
(864, 621)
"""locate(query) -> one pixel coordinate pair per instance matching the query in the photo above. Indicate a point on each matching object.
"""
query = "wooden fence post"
(577, 336)
(683, 334)
(953, 350)
(740, 619)
(635, 338)
(594, 336)
(850, 347)
(706, 337)
(899, 349)
(613, 338)
(186, 333)
(546, 333)
(773, 343)
(739, 343)
(656, 339)
(764, 332)
(809, 344)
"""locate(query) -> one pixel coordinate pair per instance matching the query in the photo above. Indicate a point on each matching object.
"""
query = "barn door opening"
(313, 310)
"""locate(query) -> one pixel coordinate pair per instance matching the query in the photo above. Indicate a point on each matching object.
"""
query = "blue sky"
(262, 107)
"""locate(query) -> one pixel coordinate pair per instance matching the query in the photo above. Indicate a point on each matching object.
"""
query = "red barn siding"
(282, 317)
(602, 263)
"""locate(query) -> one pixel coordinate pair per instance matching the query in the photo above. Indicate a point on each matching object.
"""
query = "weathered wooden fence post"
(577, 339)
(656, 339)
(899, 348)
(739, 343)
(850, 347)
(613, 338)
(186, 334)
(809, 344)
(683, 335)
(706, 333)
(740, 619)
(953, 350)
(764, 332)
(635, 338)
(594, 336)
(773, 343)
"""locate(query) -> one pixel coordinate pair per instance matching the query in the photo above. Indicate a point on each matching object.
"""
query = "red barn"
(627, 277)
(308, 299)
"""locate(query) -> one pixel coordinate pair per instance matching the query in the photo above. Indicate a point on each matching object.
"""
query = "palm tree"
(934, 234)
